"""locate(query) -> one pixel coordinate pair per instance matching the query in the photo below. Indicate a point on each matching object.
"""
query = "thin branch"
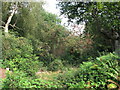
(9, 24)
(2, 27)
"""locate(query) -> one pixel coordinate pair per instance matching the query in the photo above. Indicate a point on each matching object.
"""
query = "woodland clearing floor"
(51, 75)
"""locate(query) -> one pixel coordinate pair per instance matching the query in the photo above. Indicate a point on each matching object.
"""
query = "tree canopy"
(102, 19)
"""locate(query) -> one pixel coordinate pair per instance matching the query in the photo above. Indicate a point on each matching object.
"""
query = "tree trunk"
(117, 47)
(117, 43)
(9, 20)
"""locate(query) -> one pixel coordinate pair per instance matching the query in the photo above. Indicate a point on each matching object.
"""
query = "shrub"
(46, 57)
(56, 65)
(93, 74)
(13, 46)
(40, 83)
(16, 79)
(28, 64)
(18, 54)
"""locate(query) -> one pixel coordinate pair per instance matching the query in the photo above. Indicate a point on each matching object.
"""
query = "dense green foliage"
(41, 53)
(93, 74)
(56, 65)
(18, 54)
(101, 19)
(89, 75)
(19, 80)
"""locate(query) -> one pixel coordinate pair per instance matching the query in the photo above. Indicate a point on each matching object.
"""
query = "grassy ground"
(49, 75)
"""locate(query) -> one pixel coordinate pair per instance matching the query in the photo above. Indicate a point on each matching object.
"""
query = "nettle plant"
(20, 80)
(103, 72)
(28, 64)
(100, 72)
(17, 79)
(110, 67)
